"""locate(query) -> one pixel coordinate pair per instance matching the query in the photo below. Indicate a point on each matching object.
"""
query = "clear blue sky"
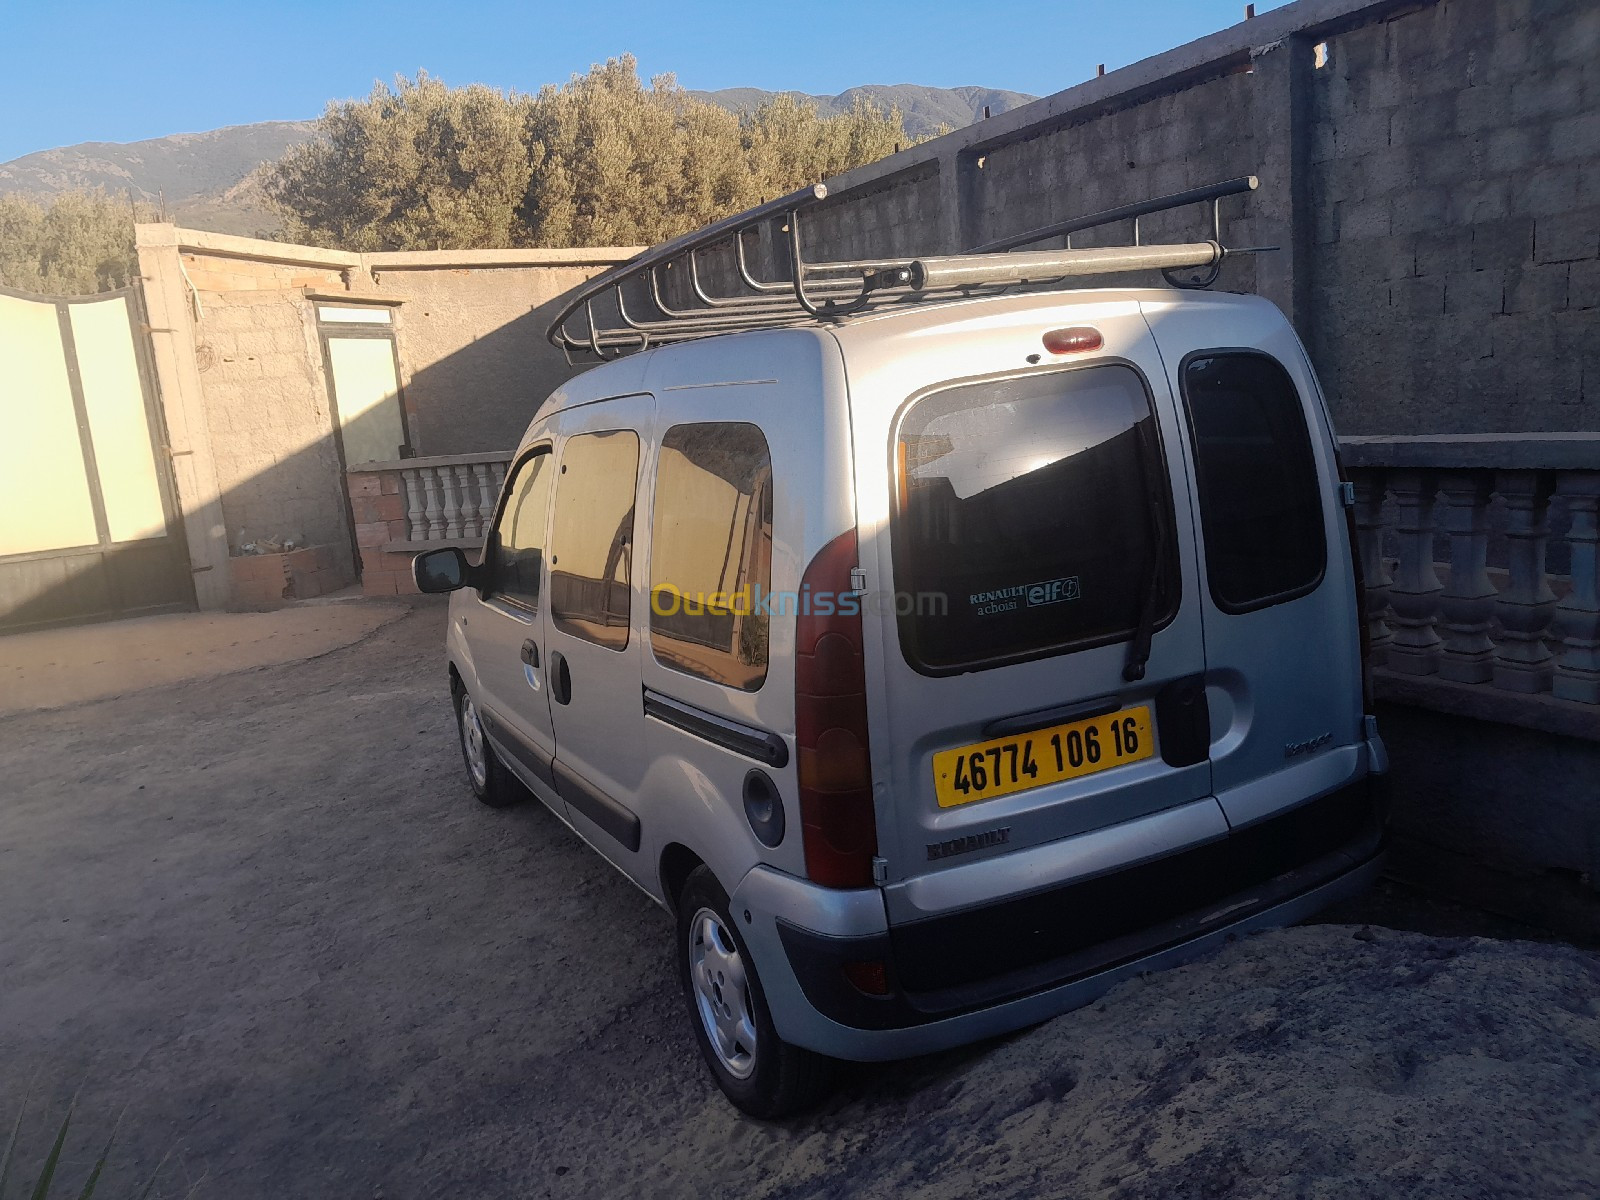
(121, 70)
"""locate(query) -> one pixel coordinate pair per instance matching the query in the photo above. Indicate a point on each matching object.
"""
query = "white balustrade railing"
(451, 498)
(448, 498)
(1500, 618)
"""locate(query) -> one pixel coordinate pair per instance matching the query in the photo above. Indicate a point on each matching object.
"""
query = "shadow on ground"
(261, 918)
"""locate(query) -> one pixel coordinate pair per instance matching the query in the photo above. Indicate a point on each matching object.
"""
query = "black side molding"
(765, 747)
(529, 755)
(613, 819)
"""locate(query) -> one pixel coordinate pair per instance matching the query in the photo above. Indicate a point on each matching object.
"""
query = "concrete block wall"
(245, 390)
(380, 520)
(1454, 165)
(271, 427)
(1430, 170)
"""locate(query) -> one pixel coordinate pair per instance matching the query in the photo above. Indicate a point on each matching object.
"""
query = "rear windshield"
(1028, 517)
(1260, 509)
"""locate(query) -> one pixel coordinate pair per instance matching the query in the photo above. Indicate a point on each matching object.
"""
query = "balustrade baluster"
(433, 503)
(486, 496)
(467, 489)
(1370, 491)
(1466, 606)
(1522, 662)
(1414, 591)
(1577, 617)
(416, 518)
(452, 502)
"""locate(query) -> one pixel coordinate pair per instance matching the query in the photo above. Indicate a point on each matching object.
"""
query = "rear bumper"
(989, 969)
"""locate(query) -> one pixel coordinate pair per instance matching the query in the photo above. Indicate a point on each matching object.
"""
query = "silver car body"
(1285, 727)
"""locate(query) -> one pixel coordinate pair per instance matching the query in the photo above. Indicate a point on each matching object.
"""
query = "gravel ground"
(260, 919)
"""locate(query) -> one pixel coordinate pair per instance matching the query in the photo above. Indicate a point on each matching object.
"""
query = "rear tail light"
(838, 829)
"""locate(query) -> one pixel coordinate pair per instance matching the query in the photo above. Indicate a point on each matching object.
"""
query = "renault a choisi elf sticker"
(1024, 595)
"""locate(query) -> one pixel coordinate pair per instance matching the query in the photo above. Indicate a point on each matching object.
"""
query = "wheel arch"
(677, 864)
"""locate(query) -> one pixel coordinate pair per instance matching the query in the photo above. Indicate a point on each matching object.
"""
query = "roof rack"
(666, 293)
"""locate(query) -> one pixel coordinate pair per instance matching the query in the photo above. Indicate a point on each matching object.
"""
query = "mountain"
(203, 178)
(925, 109)
(211, 180)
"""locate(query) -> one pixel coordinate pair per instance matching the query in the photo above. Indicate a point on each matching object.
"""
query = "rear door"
(1277, 595)
(1033, 523)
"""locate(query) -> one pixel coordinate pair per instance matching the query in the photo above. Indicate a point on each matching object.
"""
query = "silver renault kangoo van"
(939, 645)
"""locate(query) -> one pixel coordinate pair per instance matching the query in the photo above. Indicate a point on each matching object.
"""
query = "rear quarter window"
(1028, 516)
(1256, 479)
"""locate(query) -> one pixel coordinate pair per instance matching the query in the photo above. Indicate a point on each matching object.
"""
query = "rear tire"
(763, 1075)
(491, 782)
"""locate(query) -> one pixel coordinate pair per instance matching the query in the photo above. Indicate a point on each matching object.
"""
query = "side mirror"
(441, 570)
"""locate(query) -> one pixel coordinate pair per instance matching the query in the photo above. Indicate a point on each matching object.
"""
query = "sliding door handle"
(560, 678)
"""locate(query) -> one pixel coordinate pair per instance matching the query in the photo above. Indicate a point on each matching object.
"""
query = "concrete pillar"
(1280, 101)
(169, 303)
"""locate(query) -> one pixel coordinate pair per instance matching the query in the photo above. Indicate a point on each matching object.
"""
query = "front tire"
(763, 1075)
(491, 782)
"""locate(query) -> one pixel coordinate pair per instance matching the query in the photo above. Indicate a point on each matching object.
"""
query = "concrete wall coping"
(433, 260)
(1128, 85)
(227, 245)
(1461, 451)
(437, 460)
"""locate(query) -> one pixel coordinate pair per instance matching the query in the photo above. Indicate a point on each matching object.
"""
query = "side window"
(518, 545)
(711, 553)
(591, 562)
(1260, 502)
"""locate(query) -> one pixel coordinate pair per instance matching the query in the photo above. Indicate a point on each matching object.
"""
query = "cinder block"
(1583, 288)
(1364, 218)
(388, 508)
(1474, 293)
(1481, 108)
(1537, 288)
(1418, 209)
(391, 483)
(1417, 298)
(1502, 244)
(371, 533)
(1445, 250)
(359, 484)
(1567, 236)
(399, 530)
(377, 583)
(1550, 192)
(1548, 92)
(1507, 150)
(1576, 137)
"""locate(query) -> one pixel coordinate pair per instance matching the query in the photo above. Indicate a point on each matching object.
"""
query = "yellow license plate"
(1000, 767)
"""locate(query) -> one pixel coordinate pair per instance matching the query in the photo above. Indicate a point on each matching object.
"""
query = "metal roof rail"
(663, 295)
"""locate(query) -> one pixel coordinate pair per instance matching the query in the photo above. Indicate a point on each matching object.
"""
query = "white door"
(595, 618)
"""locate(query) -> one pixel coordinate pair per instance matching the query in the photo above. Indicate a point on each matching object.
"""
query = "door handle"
(560, 678)
(530, 652)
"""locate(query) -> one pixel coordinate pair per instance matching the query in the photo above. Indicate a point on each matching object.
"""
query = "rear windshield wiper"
(1155, 576)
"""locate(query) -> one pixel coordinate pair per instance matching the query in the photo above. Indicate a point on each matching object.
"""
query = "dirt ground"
(260, 919)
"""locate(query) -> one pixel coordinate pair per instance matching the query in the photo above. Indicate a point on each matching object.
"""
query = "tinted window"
(519, 537)
(711, 553)
(591, 562)
(1033, 507)
(1260, 508)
